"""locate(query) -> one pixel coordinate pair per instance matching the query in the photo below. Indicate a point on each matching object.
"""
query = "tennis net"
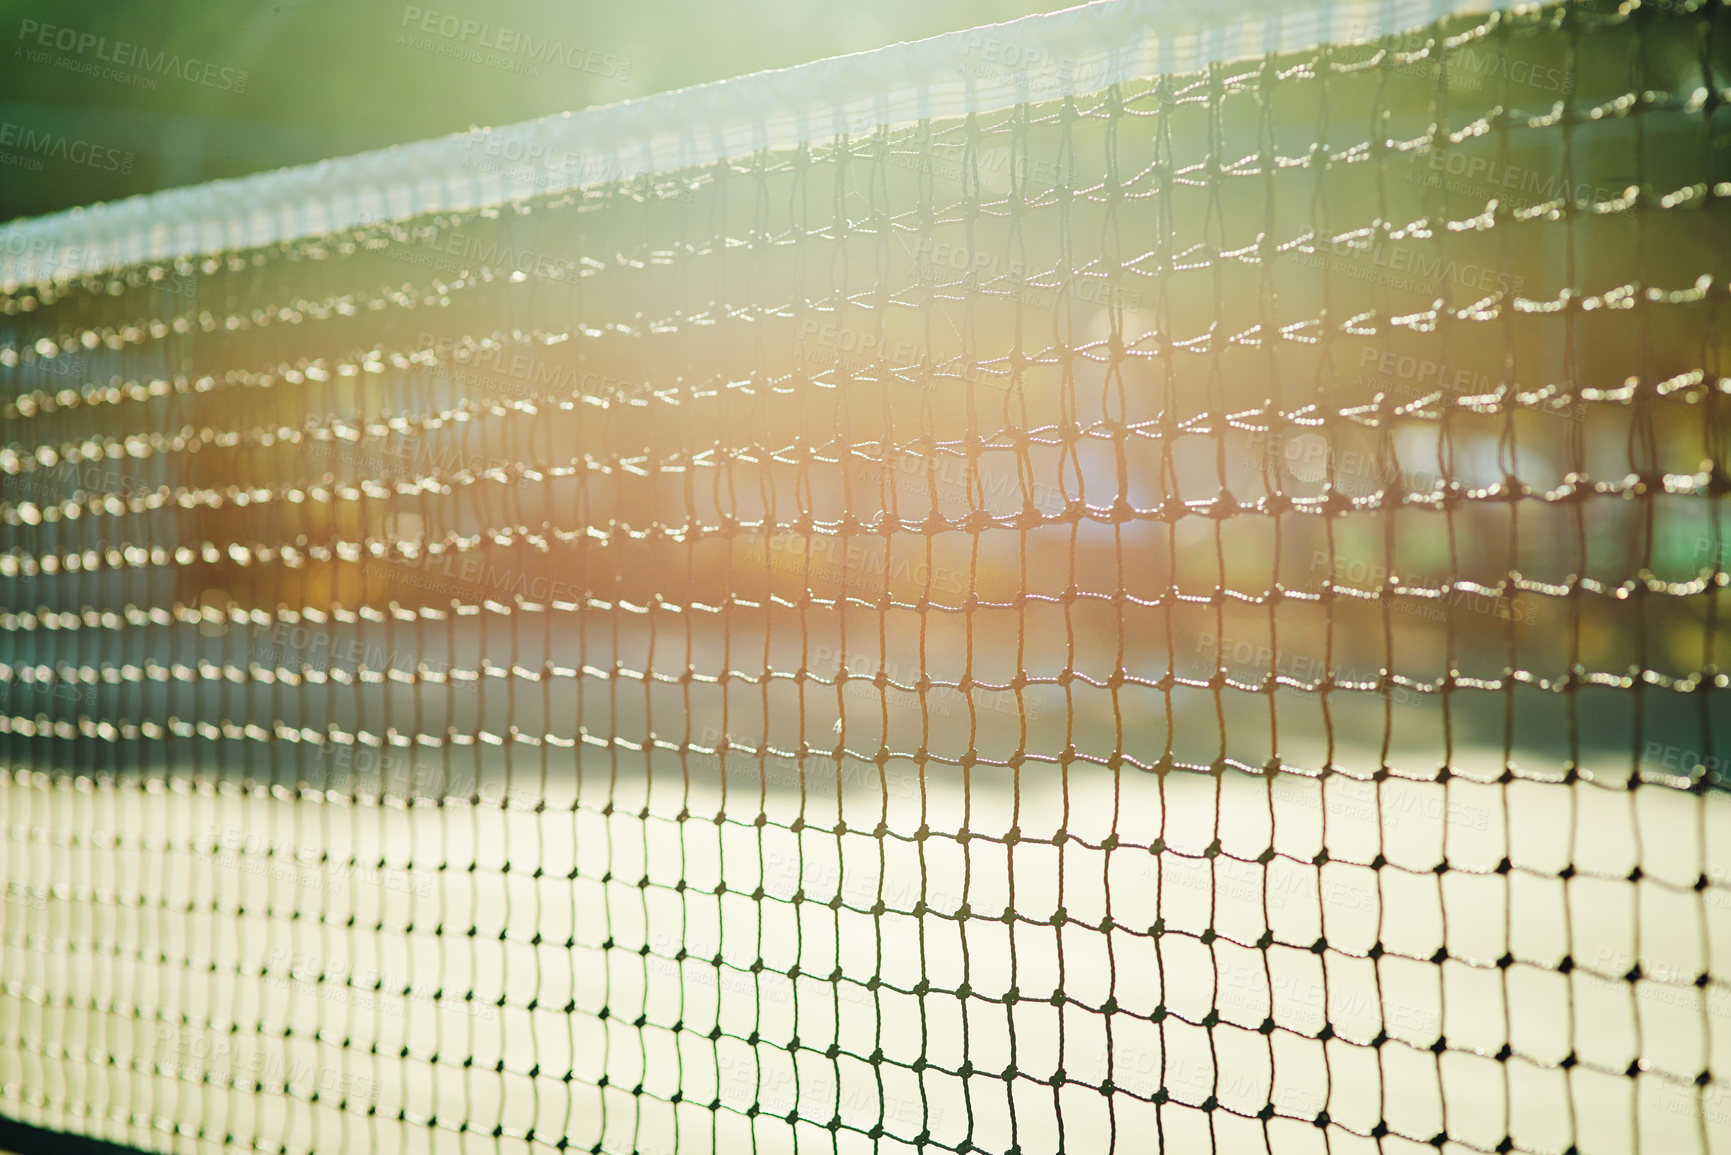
(1128, 580)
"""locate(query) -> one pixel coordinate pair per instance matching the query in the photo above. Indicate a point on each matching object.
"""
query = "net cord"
(1075, 52)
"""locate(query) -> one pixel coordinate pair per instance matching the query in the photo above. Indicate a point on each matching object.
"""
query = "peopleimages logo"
(1482, 173)
(57, 146)
(538, 164)
(471, 37)
(1403, 266)
(88, 52)
(1469, 67)
(990, 57)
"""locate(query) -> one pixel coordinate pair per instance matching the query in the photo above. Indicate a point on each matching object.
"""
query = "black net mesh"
(1184, 618)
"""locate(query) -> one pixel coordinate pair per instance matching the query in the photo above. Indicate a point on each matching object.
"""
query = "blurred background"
(633, 431)
(99, 101)
(121, 103)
